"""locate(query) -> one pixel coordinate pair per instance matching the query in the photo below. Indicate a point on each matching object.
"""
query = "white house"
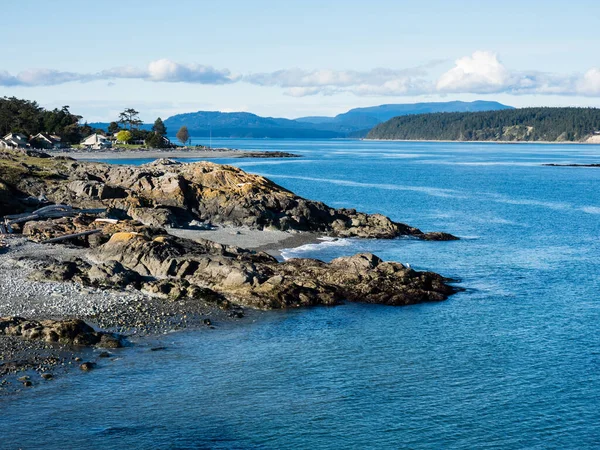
(45, 140)
(14, 140)
(96, 142)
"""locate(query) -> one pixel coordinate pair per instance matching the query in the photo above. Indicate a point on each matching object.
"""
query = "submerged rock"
(71, 332)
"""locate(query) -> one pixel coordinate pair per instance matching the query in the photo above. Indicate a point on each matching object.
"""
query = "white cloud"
(172, 72)
(379, 81)
(483, 73)
(480, 73)
(590, 83)
(162, 70)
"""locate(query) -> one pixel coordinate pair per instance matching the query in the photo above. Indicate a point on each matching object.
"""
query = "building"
(46, 141)
(166, 143)
(14, 140)
(96, 142)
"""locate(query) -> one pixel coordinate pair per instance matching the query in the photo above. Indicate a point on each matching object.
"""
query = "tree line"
(524, 124)
(29, 118)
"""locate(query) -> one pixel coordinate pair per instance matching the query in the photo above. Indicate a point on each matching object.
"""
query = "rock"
(168, 193)
(438, 236)
(104, 355)
(207, 322)
(179, 268)
(47, 376)
(87, 366)
(71, 332)
(27, 383)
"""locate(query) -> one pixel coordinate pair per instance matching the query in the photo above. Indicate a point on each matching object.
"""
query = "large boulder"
(259, 280)
(71, 332)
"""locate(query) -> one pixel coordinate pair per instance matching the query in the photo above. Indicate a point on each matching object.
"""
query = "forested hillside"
(29, 118)
(526, 124)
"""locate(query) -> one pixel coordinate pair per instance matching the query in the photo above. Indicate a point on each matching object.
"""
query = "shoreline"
(180, 154)
(140, 318)
(483, 142)
(143, 273)
(272, 242)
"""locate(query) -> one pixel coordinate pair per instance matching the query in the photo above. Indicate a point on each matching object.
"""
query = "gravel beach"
(25, 363)
(180, 154)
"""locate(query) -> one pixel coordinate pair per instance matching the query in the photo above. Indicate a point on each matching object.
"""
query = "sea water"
(512, 362)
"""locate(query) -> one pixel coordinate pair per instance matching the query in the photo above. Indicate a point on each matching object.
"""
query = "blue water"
(513, 362)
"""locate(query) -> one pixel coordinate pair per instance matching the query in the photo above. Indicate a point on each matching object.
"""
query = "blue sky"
(297, 58)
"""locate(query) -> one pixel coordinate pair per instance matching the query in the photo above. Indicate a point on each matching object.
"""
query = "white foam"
(432, 191)
(590, 209)
(263, 162)
(307, 248)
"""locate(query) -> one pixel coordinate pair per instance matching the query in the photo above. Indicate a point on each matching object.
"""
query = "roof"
(47, 137)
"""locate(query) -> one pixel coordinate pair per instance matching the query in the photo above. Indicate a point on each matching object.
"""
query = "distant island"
(509, 125)
(354, 123)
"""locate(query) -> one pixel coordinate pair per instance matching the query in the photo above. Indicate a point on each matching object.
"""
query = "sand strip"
(180, 154)
(270, 241)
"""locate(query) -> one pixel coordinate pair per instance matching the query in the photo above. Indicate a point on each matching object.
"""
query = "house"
(166, 143)
(46, 141)
(14, 140)
(96, 142)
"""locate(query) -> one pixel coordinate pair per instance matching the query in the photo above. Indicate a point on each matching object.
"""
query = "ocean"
(511, 362)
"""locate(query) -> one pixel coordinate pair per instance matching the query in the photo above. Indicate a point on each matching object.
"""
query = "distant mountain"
(354, 123)
(525, 124)
(363, 118)
(243, 124)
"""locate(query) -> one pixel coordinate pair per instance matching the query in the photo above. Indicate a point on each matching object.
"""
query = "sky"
(296, 58)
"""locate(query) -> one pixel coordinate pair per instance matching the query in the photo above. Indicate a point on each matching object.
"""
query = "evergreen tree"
(113, 128)
(159, 127)
(130, 118)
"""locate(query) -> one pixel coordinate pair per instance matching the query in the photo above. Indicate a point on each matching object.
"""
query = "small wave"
(434, 192)
(326, 242)
(273, 163)
(590, 209)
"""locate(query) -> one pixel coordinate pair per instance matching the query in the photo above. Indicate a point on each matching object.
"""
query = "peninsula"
(125, 250)
(509, 125)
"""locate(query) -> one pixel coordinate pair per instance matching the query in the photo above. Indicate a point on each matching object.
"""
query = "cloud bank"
(162, 70)
(480, 73)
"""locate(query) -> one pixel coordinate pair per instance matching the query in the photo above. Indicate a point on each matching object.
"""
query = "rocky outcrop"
(70, 332)
(168, 193)
(178, 267)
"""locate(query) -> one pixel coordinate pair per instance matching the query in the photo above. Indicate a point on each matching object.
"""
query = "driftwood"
(71, 236)
(47, 212)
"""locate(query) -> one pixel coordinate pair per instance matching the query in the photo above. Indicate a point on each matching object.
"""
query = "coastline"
(136, 271)
(140, 317)
(180, 154)
(484, 142)
(272, 242)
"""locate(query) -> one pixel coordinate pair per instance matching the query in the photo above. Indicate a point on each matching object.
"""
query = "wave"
(434, 192)
(273, 163)
(590, 209)
(325, 242)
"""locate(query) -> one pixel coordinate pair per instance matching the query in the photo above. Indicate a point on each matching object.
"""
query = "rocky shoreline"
(128, 256)
(172, 153)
